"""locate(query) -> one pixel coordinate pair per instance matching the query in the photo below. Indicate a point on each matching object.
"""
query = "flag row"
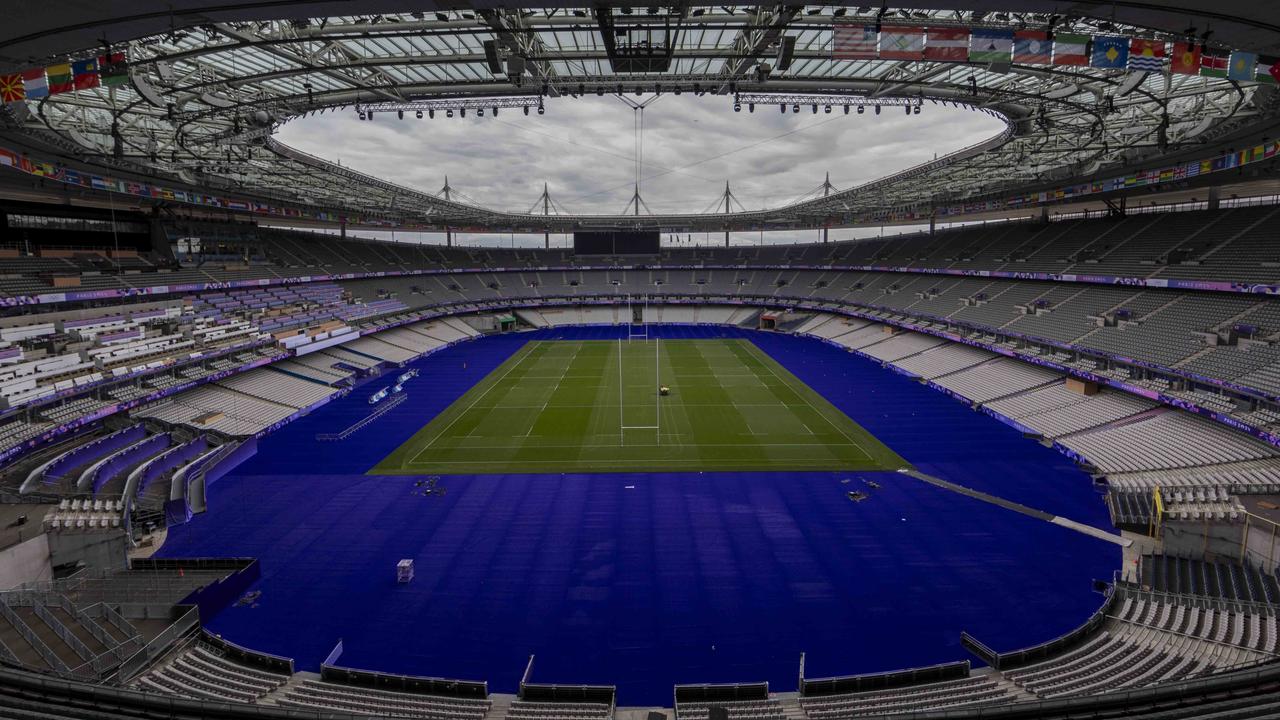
(107, 70)
(1040, 47)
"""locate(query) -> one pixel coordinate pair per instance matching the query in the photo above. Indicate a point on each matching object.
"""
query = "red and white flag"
(947, 44)
(902, 43)
(853, 42)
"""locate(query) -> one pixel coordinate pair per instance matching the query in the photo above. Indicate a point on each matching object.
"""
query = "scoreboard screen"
(616, 242)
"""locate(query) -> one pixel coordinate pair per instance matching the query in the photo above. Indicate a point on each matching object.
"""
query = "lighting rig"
(827, 102)
(450, 106)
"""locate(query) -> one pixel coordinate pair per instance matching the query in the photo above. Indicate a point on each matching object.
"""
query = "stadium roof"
(209, 82)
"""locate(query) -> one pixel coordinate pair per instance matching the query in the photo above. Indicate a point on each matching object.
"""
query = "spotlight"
(907, 108)
(400, 114)
(431, 113)
(448, 113)
(877, 109)
(737, 107)
(462, 112)
(361, 115)
(541, 110)
(419, 114)
(369, 115)
(916, 111)
(827, 109)
(846, 109)
(751, 107)
(795, 108)
(600, 90)
(861, 109)
(480, 112)
(783, 108)
(815, 108)
(677, 90)
(495, 112)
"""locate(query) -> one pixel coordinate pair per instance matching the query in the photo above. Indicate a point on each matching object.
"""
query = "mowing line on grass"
(532, 425)
(527, 350)
(752, 349)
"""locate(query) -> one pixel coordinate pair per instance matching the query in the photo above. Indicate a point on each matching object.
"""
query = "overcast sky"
(584, 150)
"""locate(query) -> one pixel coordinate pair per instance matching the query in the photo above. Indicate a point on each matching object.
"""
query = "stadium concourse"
(1019, 460)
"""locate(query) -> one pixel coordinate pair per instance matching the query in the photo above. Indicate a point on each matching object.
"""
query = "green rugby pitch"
(593, 406)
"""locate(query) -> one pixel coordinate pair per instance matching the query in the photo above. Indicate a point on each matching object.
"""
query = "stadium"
(988, 427)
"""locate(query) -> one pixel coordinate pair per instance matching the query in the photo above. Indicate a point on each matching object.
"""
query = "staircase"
(499, 706)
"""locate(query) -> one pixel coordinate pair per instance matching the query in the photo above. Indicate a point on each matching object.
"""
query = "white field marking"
(753, 349)
(614, 445)
(613, 405)
(527, 351)
(550, 395)
(793, 464)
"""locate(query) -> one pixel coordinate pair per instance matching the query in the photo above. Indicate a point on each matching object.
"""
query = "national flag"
(1110, 51)
(34, 82)
(1268, 70)
(11, 88)
(85, 73)
(1032, 47)
(1070, 49)
(1213, 63)
(8, 157)
(1242, 67)
(1185, 59)
(902, 43)
(1146, 55)
(60, 78)
(991, 46)
(946, 44)
(113, 69)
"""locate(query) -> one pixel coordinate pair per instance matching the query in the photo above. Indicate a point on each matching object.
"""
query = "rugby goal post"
(637, 324)
(623, 427)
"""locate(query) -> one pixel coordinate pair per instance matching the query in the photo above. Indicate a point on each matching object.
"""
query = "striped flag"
(1146, 55)
(1185, 59)
(1268, 70)
(1213, 63)
(35, 83)
(946, 44)
(901, 43)
(85, 73)
(1032, 47)
(991, 46)
(853, 42)
(113, 69)
(1070, 49)
(60, 78)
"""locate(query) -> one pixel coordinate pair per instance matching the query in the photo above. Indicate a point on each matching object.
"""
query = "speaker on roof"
(786, 51)
(515, 66)
(491, 54)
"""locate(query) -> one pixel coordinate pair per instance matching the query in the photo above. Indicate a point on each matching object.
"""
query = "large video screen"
(616, 242)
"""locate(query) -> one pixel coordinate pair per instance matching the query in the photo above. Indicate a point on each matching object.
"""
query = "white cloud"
(584, 150)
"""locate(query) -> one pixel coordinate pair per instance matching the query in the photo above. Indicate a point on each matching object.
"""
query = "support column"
(342, 228)
(1215, 197)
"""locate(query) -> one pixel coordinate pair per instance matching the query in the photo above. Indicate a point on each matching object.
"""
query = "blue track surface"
(681, 578)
